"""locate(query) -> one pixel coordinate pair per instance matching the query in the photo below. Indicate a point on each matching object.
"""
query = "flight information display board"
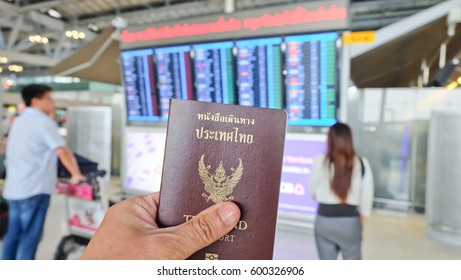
(311, 81)
(259, 70)
(140, 91)
(174, 76)
(214, 72)
(298, 73)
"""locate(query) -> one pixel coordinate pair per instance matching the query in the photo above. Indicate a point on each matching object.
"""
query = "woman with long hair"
(342, 183)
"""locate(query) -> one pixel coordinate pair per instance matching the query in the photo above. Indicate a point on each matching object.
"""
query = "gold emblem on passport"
(211, 257)
(218, 185)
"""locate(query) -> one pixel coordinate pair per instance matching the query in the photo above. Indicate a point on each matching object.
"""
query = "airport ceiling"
(39, 35)
(429, 54)
(398, 63)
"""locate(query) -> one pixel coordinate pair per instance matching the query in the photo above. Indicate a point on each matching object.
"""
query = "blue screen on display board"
(174, 76)
(311, 81)
(259, 72)
(139, 84)
(214, 72)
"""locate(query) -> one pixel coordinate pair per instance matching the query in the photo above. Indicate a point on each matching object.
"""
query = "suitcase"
(86, 167)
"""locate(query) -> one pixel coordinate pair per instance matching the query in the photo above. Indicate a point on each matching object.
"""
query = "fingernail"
(229, 214)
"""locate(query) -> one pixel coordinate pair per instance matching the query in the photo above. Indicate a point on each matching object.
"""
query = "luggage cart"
(86, 205)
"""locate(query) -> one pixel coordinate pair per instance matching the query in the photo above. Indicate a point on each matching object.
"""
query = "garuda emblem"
(219, 186)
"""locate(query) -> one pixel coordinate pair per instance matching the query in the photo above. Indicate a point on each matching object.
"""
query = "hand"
(362, 219)
(129, 231)
(77, 179)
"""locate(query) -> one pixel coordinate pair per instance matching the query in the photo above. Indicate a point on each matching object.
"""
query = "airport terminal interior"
(390, 69)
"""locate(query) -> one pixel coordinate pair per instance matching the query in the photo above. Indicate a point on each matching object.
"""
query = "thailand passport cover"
(216, 152)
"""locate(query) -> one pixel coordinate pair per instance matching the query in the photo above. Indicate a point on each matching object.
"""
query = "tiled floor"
(387, 235)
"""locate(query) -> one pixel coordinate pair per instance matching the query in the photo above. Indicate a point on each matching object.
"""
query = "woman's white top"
(361, 192)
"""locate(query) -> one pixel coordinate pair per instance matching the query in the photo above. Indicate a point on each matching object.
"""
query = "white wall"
(406, 104)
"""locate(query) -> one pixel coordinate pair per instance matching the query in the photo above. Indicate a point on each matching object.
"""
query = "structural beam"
(14, 32)
(59, 46)
(31, 59)
(23, 45)
(229, 6)
(105, 21)
(406, 26)
(10, 8)
(47, 21)
(7, 7)
(46, 5)
(9, 22)
(48, 50)
(2, 40)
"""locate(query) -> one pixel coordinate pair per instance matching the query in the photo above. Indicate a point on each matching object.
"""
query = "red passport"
(216, 152)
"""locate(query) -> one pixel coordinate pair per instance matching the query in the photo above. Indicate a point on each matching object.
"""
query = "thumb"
(208, 226)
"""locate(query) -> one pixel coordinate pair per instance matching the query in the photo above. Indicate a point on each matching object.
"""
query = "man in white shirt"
(34, 145)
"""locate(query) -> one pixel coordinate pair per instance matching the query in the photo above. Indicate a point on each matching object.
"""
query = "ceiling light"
(452, 85)
(38, 39)
(119, 22)
(93, 27)
(3, 59)
(54, 13)
(1, 70)
(15, 68)
(75, 34)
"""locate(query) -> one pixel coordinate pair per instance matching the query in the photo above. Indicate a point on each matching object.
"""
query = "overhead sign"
(305, 17)
(360, 37)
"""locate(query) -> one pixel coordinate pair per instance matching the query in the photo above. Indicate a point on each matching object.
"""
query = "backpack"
(3, 216)
(363, 166)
